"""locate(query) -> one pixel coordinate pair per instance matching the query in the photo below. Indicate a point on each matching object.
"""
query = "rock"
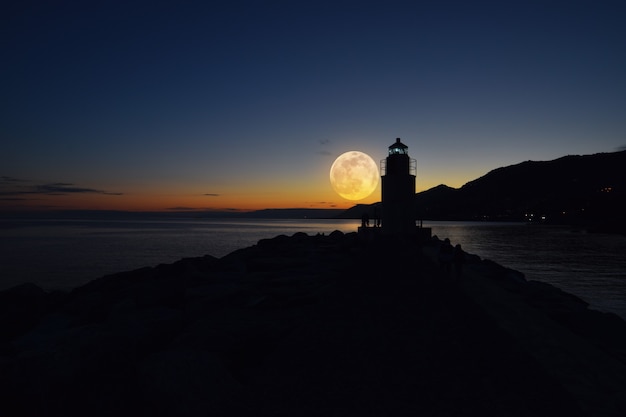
(185, 383)
(275, 263)
(308, 326)
(21, 308)
(146, 330)
(45, 335)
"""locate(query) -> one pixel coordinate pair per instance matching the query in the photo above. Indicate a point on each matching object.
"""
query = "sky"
(243, 105)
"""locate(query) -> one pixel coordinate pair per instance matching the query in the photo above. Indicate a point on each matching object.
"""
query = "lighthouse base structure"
(398, 203)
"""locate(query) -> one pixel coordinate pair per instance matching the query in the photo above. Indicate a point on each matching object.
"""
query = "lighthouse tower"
(398, 191)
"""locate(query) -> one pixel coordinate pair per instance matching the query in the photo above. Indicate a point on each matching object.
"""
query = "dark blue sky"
(234, 104)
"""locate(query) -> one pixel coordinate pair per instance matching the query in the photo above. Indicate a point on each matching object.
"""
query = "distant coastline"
(354, 213)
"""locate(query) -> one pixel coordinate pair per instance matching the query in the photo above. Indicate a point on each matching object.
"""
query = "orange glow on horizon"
(321, 197)
(227, 202)
(253, 195)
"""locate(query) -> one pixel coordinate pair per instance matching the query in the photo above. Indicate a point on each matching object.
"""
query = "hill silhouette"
(576, 189)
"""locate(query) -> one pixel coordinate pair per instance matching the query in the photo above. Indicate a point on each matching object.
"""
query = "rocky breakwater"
(309, 326)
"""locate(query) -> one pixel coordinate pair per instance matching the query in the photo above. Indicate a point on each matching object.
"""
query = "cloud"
(65, 188)
(211, 195)
(182, 209)
(10, 186)
(621, 148)
(324, 142)
(10, 180)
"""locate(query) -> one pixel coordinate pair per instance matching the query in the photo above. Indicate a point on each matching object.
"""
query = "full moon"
(354, 175)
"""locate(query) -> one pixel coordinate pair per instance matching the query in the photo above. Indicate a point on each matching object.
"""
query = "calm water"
(589, 265)
(65, 254)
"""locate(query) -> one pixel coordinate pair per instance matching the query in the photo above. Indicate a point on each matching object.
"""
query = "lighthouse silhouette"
(398, 173)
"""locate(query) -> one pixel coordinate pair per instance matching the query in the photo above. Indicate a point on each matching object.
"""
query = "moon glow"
(354, 175)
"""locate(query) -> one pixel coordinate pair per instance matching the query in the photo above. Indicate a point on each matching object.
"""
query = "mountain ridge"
(574, 189)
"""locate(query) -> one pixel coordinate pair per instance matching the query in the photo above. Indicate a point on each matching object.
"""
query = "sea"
(63, 254)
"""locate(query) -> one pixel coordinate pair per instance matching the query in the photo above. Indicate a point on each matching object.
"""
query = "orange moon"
(354, 175)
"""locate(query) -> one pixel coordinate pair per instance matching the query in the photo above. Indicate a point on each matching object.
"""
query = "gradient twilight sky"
(157, 105)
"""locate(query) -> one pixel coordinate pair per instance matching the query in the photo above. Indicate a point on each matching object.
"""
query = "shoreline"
(303, 325)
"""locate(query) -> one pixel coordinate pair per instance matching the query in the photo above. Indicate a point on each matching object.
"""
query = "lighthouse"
(398, 191)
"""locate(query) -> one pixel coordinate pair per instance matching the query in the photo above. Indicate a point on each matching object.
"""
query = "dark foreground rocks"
(310, 326)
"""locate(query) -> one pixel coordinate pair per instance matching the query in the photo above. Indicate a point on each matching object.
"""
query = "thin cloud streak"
(9, 187)
(182, 209)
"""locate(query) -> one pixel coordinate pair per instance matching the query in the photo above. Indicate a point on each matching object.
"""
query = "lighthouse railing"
(412, 167)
